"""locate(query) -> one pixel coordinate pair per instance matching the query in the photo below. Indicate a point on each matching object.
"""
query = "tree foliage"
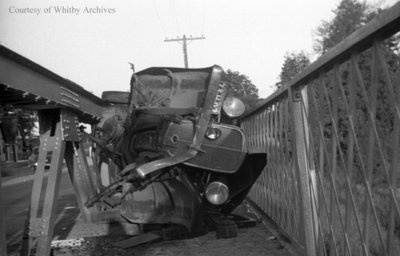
(293, 64)
(350, 15)
(239, 84)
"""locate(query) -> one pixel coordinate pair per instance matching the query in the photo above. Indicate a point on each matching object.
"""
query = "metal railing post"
(3, 244)
(297, 97)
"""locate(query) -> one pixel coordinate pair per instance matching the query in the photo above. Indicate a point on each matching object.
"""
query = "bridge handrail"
(332, 138)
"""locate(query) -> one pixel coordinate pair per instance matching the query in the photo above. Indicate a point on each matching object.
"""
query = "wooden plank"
(137, 240)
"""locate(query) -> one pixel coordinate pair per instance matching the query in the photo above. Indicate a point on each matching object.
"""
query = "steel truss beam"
(61, 105)
(25, 83)
(60, 135)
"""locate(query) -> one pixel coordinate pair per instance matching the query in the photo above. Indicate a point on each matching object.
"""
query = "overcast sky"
(93, 49)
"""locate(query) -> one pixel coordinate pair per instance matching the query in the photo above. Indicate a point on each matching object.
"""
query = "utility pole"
(185, 39)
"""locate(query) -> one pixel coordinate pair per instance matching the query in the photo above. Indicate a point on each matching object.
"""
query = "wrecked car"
(172, 150)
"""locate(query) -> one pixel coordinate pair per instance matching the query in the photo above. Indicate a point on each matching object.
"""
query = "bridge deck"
(251, 241)
(257, 240)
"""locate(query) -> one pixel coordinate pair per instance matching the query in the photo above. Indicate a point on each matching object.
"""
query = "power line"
(189, 12)
(202, 31)
(184, 39)
(203, 18)
(176, 15)
(159, 19)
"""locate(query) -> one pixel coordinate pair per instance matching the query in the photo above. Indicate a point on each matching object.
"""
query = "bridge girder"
(24, 83)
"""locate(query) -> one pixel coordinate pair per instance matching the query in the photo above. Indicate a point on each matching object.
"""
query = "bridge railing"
(332, 138)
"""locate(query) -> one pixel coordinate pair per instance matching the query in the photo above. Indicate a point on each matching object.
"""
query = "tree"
(239, 85)
(293, 64)
(350, 15)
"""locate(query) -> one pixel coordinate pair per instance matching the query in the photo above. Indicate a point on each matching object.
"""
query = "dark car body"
(174, 160)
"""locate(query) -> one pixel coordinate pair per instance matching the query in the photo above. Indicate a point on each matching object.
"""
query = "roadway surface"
(16, 188)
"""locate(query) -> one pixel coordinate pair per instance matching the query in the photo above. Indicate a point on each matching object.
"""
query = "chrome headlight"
(233, 107)
(213, 133)
(217, 193)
